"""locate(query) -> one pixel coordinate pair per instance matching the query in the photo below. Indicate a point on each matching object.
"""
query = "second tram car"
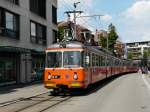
(73, 64)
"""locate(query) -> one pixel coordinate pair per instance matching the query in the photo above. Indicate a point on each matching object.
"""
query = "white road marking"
(146, 82)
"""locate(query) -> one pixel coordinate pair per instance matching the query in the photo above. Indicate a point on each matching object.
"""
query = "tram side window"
(97, 60)
(93, 60)
(109, 61)
(103, 61)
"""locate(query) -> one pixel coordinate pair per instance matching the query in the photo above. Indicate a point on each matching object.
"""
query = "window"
(33, 29)
(54, 36)
(38, 7)
(71, 59)
(54, 15)
(9, 24)
(14, 1)
(38, 33)
(54, 59)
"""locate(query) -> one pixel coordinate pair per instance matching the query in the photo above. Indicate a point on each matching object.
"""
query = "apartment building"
(137, 48)
(27, 27)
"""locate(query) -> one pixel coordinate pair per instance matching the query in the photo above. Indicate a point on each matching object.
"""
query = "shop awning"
(36, 52)
(14, 49)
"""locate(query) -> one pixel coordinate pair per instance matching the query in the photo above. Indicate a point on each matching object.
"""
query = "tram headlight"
(49, 77)
(75, 76)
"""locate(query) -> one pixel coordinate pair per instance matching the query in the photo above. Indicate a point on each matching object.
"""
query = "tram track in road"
(39, 103)
(55, 104)
(7, 103)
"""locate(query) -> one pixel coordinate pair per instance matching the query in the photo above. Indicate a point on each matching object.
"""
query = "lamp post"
(107, 39)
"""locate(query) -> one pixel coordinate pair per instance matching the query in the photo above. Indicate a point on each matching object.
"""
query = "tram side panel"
(98, 68)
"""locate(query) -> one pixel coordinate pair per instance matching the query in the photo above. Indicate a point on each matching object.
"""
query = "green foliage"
(112, 37)
(103, 41)
(130, 55)
(145, 54)
(60, 33)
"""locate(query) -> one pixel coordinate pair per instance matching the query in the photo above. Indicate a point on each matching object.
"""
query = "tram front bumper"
(65, 86)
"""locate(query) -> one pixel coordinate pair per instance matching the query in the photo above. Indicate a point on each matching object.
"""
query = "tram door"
(87, 67)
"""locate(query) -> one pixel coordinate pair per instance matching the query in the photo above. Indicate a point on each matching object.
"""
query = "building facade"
(119, 49)
(137, 49)
(82, 34)
(99, 33)
(27, 27)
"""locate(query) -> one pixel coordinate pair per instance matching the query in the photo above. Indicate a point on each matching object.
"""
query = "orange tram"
(73, 65)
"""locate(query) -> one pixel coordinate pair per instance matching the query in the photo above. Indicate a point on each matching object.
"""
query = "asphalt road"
(127, 93)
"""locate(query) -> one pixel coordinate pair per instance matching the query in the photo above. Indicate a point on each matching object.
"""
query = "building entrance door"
(8, 73)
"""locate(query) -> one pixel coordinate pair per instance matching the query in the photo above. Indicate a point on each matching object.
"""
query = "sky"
(131, 17)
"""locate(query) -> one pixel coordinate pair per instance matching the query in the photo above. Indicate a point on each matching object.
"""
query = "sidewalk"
(16, 92)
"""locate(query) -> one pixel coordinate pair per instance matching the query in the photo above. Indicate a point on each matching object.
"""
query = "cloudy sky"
(131, 17)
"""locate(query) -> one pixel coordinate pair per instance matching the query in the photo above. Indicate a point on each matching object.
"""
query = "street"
(127, 93)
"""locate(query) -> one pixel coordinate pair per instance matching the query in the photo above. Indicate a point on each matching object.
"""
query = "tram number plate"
(55, 77)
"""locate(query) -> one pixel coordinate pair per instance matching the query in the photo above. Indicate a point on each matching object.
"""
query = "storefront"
(10, 65)
(8, 68)
(38, 64)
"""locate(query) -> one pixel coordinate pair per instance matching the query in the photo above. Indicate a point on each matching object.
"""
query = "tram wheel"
(55, 91)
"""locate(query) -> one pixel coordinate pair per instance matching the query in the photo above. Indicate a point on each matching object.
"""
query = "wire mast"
(74, 12)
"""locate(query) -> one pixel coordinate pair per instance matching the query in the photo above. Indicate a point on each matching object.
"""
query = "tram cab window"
(54, 59)
(71, 59)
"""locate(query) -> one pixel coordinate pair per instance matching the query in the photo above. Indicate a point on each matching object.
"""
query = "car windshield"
(54, 59)
(71, 59)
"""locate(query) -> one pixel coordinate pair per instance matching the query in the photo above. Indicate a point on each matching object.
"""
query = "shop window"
(38, 33)
(38, 7)
(54, 15)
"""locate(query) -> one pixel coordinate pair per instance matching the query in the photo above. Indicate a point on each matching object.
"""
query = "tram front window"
(72, 59)
(54, 59)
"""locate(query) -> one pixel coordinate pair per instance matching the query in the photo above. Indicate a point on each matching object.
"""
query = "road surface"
(127, 93)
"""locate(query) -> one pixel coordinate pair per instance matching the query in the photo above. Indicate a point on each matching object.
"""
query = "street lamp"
(107, 39)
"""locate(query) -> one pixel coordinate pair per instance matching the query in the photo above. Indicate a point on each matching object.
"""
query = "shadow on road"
(13, 88)
(92, 88)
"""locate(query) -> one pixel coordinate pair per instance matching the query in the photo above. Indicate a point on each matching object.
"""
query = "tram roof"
(70, 44)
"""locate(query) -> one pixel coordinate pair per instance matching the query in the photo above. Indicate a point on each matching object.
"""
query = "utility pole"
(74, 12)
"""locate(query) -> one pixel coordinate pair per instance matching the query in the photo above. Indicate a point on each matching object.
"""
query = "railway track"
(39, 103)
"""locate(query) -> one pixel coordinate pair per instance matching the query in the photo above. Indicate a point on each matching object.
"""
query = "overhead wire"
(84, 22)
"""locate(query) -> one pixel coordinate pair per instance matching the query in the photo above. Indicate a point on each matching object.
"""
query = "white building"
(137, 48)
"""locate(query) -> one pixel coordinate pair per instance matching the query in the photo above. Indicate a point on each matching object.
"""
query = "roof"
(70, 44)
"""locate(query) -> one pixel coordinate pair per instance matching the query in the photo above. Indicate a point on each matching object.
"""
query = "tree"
(102, 41)
(130, 55)
(145, 54)
(112, 37)
(60, 33)
(144, 60)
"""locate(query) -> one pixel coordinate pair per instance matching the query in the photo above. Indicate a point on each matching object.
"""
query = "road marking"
(146, 82)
